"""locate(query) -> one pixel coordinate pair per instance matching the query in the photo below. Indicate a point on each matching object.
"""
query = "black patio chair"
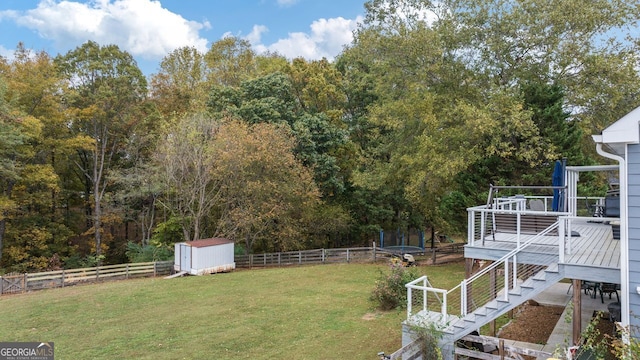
(590, 288)
(608, 288)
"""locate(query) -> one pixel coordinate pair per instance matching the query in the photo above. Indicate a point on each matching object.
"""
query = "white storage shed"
(206, 256)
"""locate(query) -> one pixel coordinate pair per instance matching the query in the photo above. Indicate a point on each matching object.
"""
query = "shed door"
(185, 257)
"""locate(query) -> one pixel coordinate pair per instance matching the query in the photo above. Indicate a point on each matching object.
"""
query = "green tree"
(321, 140)
(179, 87)
(415, 137)
(33, 91)
(447, 81)
(104, 88)
(11, 138)
(585, 48)
(230, 61)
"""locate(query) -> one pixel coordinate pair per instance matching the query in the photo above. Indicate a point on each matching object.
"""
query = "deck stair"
(528, 289)
(480, 299)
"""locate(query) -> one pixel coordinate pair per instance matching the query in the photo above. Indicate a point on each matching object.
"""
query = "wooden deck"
(591, 253)
(594, 247)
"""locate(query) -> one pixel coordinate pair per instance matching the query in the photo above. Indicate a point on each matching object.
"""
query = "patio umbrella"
(558, 180)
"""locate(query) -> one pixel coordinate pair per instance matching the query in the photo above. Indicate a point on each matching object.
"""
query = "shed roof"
(208, 242)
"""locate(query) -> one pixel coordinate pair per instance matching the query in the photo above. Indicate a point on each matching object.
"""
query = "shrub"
(390, 292)
(630, 350)
(147, 253)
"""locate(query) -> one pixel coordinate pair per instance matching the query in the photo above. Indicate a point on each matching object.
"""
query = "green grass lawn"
(310, 312)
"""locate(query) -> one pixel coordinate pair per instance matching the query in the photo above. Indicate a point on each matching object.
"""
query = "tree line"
(407, 127)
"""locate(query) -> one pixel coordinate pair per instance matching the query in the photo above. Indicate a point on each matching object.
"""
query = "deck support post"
(577, 311)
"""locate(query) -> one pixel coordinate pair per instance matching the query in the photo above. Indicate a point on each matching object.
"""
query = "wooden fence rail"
(308, 257)
(11, 284)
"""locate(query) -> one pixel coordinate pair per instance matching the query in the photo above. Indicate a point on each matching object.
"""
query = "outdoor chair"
(608, 288)
(590, 288)
(536, 205)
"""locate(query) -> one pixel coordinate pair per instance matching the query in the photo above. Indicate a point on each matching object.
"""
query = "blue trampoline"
(403, 249)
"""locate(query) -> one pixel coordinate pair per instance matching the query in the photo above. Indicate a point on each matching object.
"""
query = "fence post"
(155, 268)
(1, 286)
(347, 255)
(250, 261)
(24, 283)
(299, 257)
(62, 278)
(127, 270)
(323, 256)
(374, 251)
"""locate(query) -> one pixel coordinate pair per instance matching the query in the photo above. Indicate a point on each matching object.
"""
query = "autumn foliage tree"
(228, 178)
(268, 195)
(186, 162)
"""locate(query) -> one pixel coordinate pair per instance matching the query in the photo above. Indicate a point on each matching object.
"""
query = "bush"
(147, 253)
(390, 292)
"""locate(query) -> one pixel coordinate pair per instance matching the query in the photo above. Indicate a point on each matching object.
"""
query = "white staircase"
(498, 288)
(499, 306)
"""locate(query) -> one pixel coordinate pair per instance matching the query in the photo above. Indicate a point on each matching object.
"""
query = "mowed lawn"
(308, 312)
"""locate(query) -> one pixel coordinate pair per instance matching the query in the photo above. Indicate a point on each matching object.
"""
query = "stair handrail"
(513, 252)
(503, 260)
(463, 284)
(425, 287)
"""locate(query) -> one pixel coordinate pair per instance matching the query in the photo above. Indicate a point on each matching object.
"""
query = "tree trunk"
(97, 223)
(98, 166)
(247, 244)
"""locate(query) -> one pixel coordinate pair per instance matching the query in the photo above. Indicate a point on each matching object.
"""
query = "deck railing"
(569, 223)
(490, 282)
(507, 216)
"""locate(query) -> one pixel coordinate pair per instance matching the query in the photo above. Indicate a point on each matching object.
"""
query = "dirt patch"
(532, 323)
(369, 316)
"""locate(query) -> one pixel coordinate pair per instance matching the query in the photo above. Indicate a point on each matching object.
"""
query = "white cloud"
(286, 3)
(256, 33)
(8, 14)
(326, 39)
(6, 53)
(141, 27)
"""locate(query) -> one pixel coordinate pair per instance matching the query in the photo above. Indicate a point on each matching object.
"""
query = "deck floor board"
(595, 245)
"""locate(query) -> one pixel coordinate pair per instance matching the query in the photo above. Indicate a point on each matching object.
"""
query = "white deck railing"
(541, 227)
(490, 282)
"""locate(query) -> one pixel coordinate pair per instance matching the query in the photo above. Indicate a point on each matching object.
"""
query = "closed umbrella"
(558, 180)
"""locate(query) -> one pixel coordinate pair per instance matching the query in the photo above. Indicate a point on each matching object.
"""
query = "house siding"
(633, 205)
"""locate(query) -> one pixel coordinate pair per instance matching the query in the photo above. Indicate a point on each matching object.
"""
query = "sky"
(151, 29)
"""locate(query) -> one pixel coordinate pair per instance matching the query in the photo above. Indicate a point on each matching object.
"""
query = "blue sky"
(150, 29)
